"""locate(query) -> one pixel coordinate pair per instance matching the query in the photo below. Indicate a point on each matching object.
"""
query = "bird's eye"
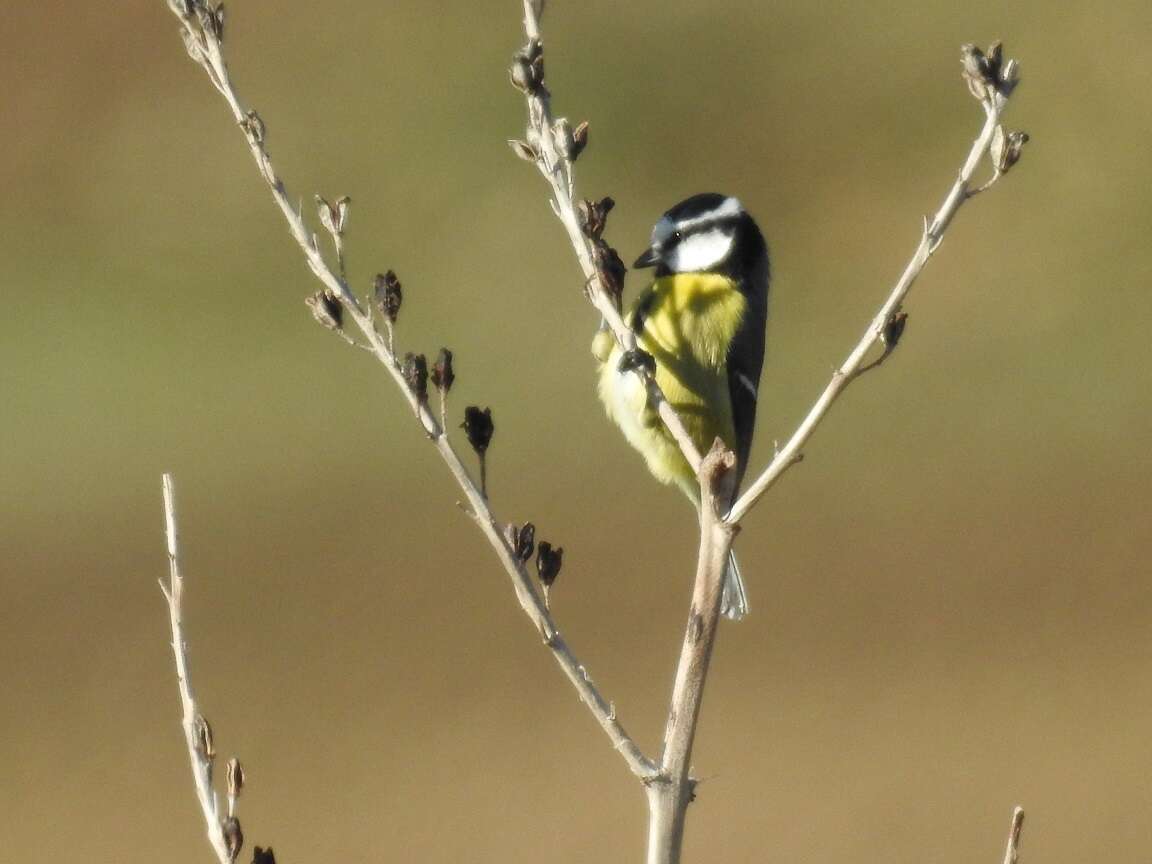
(676, 237)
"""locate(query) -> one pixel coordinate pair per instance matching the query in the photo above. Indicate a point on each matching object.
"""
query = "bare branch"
(670, 794)
(1012, 850)
(549, 145)
(197, 732)
(205, 47)
(993, 103)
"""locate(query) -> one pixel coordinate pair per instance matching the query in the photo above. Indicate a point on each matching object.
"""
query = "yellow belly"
(691, 320)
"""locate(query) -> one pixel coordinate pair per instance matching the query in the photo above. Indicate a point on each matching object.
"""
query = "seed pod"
(579, 140)
(478, 427)
(993, 59)
(388, 295)
(520, 74)
(235, 775)
(442, 374)
(611, 270)
(1009, 77)
(548, 563)
(894, 329)
(204, 744)
(1007, 148)
(333, 216)
(233, 837)
(327, 214)
(526, 542)
(326, 309)
(525, 151)
(594, 216)
(527, 70)
(975, 70)
(416, 375)
(253, 127)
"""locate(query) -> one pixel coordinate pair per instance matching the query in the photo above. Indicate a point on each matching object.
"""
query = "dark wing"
(745, 359)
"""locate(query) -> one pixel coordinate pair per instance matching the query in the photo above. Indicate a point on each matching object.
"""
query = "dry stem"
(853, 367)
(1012, 849)
(670, 794)
(557, 168)
(193, 721)
(206, 49)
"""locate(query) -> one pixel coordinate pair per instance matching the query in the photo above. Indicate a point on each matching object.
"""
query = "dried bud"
(334, 217)
(326, 309)
(993, 59)
(233, 837)
(975, 70)
(235, 775)
(594, 216)
(611, 270)
(478, 427)
(388, 295)
(579, 140)
(520, 74)
(1009, 77)
(263, 856)
(636, 360)
(894, 329)
(416, 374)
(526, 542)
(204, 744)
(442, 374)
(253, 127)
(548, 562)
(562, 136)
(527, 71)
(986, 73)
(327, 214)
(1006, 148)
(525, 151)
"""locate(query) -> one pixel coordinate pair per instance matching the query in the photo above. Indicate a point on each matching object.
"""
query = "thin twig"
(197, 734)
(1012, 849)
(853, 367)
(206, 49)
(556, 167)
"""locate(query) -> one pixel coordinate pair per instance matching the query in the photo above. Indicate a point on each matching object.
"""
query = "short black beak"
(650, 258)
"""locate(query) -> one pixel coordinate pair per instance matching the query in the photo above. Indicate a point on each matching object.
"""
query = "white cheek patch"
(700, 251)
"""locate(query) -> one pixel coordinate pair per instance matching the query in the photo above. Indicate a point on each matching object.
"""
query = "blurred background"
(950, 596)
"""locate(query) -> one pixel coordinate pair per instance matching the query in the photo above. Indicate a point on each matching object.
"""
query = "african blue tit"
(702, 319)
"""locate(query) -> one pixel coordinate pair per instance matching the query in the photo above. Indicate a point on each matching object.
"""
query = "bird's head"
(707, 233)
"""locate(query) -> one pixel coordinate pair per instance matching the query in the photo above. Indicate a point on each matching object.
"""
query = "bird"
(702, 319)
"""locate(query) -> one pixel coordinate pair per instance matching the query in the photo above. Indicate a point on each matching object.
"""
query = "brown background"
(951, 595)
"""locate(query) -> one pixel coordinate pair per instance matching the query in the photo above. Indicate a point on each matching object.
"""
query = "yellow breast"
(694, 314)
(689, 321)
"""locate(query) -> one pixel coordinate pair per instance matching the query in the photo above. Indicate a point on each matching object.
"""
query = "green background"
(950, 596)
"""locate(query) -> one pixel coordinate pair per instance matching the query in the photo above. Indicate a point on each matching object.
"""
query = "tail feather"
(734, 602)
